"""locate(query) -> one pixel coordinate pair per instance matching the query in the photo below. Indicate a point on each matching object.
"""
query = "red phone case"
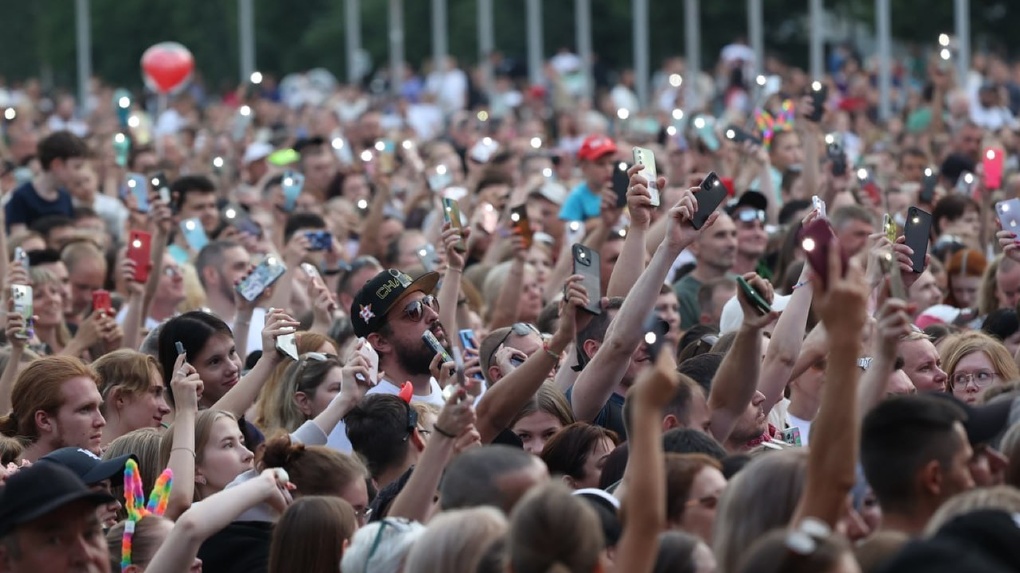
(139, 251)
(822, 237)
(101, 300)
(993, 160)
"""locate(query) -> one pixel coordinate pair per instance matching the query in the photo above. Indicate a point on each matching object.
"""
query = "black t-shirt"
(241, 547)
(26, 206)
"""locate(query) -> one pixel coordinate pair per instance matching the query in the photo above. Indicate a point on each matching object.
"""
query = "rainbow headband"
(134, 503)
(770, 125)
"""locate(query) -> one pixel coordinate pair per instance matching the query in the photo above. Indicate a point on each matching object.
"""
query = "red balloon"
(167, 66)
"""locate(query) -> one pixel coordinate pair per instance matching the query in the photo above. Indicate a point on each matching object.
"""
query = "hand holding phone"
(819, 93)
(655, 335)
(22, 303)
(1009, 215)
(372, 357)
(621, 183)
(101, 301)
(917, 233)
(265, 274)
(816, 239)
(646, 159)
(520, 224)
(587, 264)
(292, 184)
(139, 251)
(711, 194)
(451, 213)
(752, 295)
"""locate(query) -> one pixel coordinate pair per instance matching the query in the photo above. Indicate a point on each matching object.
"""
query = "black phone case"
(818, 101)
(591, 271)
(620, 184)
(709, 198)
(917, 232)
(658, 327)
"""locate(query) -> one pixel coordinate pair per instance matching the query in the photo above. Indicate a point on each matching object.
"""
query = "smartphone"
(521, 225)
(440, 179)
(101, 301)
(161, 185)
(917, 231)
(739, 135)
(311, 270)
(490, 218)
(889, 227)
(372, 357)
(387, 156)
(319, 240)
(791, 436)
(819, 95)
(428, 257)
(834, 151)
(819, 205)
(575, 232)
(139, 251)
(483, 150)
(21, 257)
(180, 347)
(927, 194)
(891, 268)
(468, 340)
(194, 234)
(1009, 214)
(759, 302)
(265, 274)
(287, 344)
(711, 194)
(451, 214)
(292, 184)
(816, 239)
(993, 161)
(21, 295)
(587, 264)
(646, 159)
(621, 182)
(237, 217)
(965, 184)
(655, 335)
(138, 186)
(432, 342)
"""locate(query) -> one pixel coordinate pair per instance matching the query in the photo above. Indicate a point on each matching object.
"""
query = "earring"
(200, 480)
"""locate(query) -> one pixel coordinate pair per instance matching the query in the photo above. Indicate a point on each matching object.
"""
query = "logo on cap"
(90, 454)
(366, 313)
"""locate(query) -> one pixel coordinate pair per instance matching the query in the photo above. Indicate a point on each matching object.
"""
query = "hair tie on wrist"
(442, 432)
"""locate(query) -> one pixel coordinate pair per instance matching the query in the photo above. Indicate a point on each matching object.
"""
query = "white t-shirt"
(338, 437)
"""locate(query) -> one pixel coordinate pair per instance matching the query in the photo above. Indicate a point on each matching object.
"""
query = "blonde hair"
(267, 405)
(456, 540)
(39, 278)
(1002, 497)
(39, 387)
(277, 409)
(194, 294)
(494, 282)
(203, 430)
(987, 301)
(144, 444)
(552, 530)
(957, 346)
(125, 371)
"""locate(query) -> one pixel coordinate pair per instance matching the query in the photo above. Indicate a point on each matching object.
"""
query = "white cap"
(552, 191)
(256, 151)
(733, 315)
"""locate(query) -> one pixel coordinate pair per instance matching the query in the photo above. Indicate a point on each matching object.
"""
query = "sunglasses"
(518, 329)
(751, 215)
(416, 310)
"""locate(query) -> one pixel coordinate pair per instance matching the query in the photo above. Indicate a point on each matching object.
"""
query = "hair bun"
(281, 452)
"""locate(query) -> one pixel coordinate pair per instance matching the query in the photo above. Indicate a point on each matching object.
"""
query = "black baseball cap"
(985, 421)
(89, 467)
(752, 199)
(382, 293)
(40, 489)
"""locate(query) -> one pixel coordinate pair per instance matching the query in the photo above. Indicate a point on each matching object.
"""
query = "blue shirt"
(26, 206)
(581, 204)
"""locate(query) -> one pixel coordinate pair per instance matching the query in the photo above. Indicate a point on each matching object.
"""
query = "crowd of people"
(308, 328)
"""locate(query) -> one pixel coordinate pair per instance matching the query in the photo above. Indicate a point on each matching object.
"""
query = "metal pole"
(582, 24)
(439, 35)
(246, 32)
(817, 47)
(962, 12)
(641, 39)
(84, 53)
(692, 36)
(396, 45)
(352, 21)
(486, 40)
(883, 17)
(535, 50)
(756, 35)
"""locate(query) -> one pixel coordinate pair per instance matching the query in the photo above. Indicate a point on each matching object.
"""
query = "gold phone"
(451, 212)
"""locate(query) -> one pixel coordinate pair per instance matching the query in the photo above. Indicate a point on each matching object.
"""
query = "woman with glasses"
(694, 484)
(975, 361)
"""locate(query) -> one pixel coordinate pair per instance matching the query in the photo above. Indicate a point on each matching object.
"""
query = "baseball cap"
(732, 315)
(382, 293)
(256, 151)
(984, 422)
(40, 489)
(595, 146)
(752, 199)
(89, 467)
(552, 192)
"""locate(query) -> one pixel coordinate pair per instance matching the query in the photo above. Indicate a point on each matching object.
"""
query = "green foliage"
(37, 37)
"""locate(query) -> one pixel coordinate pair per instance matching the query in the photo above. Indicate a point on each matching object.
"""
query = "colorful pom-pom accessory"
(134, 503)
(769, 125)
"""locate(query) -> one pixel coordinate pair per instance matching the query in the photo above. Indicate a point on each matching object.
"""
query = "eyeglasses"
(424, 432)
(412, 420)
(517, 329)
(708, 501)
(363, 515)
(751, 215)
(416, 310)
(981, 379)
(172, 271)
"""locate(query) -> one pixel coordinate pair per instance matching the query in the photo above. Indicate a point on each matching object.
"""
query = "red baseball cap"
(596, 146)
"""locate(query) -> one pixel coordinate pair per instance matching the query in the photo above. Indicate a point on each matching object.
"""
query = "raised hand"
(278, 323)
(753, 318)
(639, 198)
(451, 237)
(679, 231)
(186, 384)
(892, 324)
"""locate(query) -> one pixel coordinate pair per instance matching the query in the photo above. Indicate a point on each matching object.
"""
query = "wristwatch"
(864, 363)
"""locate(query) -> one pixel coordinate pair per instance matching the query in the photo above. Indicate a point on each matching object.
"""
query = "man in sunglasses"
(748, 213)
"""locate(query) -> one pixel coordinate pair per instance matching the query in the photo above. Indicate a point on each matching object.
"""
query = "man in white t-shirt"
(392, 312)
